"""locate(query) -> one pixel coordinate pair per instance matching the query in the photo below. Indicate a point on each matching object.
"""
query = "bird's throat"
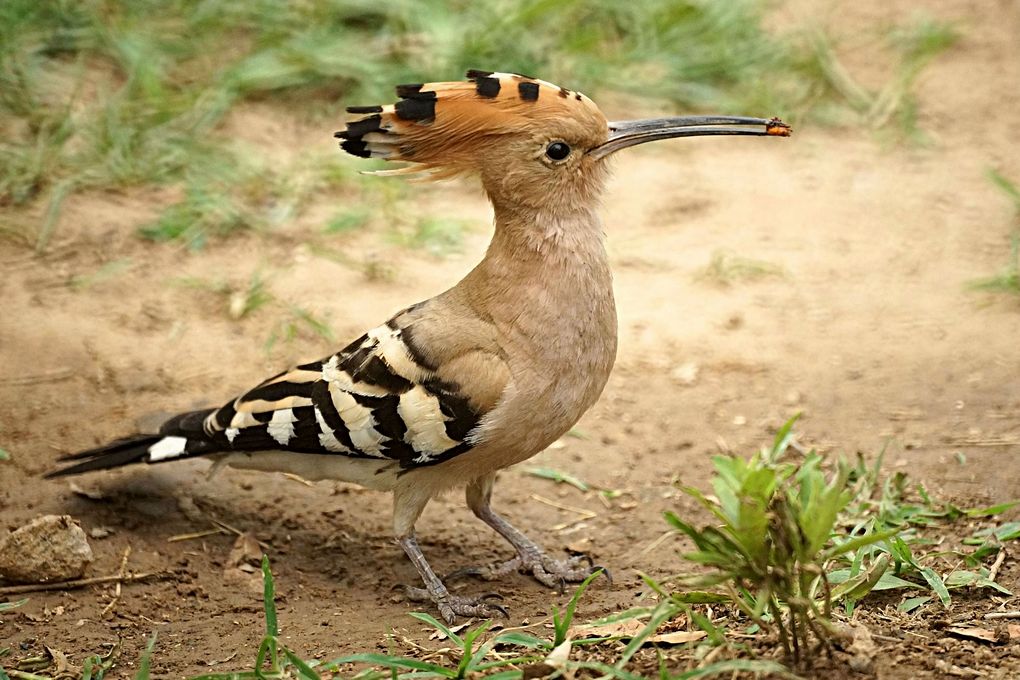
(545, 282)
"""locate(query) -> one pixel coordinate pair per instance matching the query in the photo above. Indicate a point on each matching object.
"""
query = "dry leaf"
(246, 551)
(91, 494)
(250, 582)
(631, 628)
(558, 657)
(974, 633)
(440, 635)
(61, 665)
(581, 545)
(1014, 630)
(677, 638)
(623, 629)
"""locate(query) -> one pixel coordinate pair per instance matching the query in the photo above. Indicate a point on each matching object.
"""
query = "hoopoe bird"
(486, 374)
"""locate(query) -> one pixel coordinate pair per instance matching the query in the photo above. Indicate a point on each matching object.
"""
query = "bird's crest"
(440, 128)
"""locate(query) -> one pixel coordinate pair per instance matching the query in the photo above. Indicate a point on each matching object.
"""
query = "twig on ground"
(584, 514)
(122, 572)
(1004, 440)
(197, 534)
(1002, 615)
(82, 582)
(657, 542)
(299, 479)
(999, 559)
(236, 531)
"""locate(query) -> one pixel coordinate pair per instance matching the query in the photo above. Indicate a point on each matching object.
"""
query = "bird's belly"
(368, 472)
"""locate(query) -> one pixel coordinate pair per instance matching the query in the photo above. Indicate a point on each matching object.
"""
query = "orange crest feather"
(440, 127)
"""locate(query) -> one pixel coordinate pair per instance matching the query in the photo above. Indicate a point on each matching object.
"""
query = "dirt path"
(868, 330)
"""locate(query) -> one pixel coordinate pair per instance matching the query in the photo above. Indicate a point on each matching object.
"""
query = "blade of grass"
(558, 476)
(7, 606)
(145, 662)
(937, 585)
(272, 628)
(441, 627)
(304, 670)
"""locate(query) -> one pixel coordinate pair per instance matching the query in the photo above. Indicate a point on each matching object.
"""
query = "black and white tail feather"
(378, 398)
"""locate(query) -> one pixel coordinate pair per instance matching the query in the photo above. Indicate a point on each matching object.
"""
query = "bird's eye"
(557, 151)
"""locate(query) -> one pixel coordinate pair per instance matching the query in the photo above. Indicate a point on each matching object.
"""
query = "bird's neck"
(561, 254)
(545, 282)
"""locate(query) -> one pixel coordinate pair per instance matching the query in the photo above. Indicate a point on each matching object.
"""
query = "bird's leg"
(450, 606)
(530, 557)
(407, 508)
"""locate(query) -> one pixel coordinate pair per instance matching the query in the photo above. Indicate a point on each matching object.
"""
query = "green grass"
(106, 272)
(1007, 280)
(773, 539)
(474, 653)
(232, 194)
(436, 235)
(240, 301)
(727, 268)
(7, 606)
(298, 322)
(558, 476)
(790, 541)
(892, 106)
(792, 536)
(123, 94)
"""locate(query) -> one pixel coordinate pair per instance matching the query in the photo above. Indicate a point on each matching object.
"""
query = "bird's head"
(534, 144)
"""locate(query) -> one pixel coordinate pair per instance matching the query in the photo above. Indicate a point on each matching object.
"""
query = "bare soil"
(870, 331)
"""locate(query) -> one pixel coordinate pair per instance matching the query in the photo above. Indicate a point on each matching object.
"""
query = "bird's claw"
(605, 572)
(413, 593)
(558, 573)
(550, 572)
(451, 606)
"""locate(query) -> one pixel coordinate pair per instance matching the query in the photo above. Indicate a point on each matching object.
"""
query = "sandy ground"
(870, 331)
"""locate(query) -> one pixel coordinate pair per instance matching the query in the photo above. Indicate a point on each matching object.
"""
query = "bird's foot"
(452, 606)
(546, 570)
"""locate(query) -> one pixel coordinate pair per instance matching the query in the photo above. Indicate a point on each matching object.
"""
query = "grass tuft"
(124, 94)
(776, 520)
(790, 540)
(893, 105)
(727, 268)
(1007, 280)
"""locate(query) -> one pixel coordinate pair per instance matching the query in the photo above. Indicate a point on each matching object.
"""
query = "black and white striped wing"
(376, 398)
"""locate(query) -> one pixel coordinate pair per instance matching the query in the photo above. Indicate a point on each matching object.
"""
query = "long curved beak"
(630, 132)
